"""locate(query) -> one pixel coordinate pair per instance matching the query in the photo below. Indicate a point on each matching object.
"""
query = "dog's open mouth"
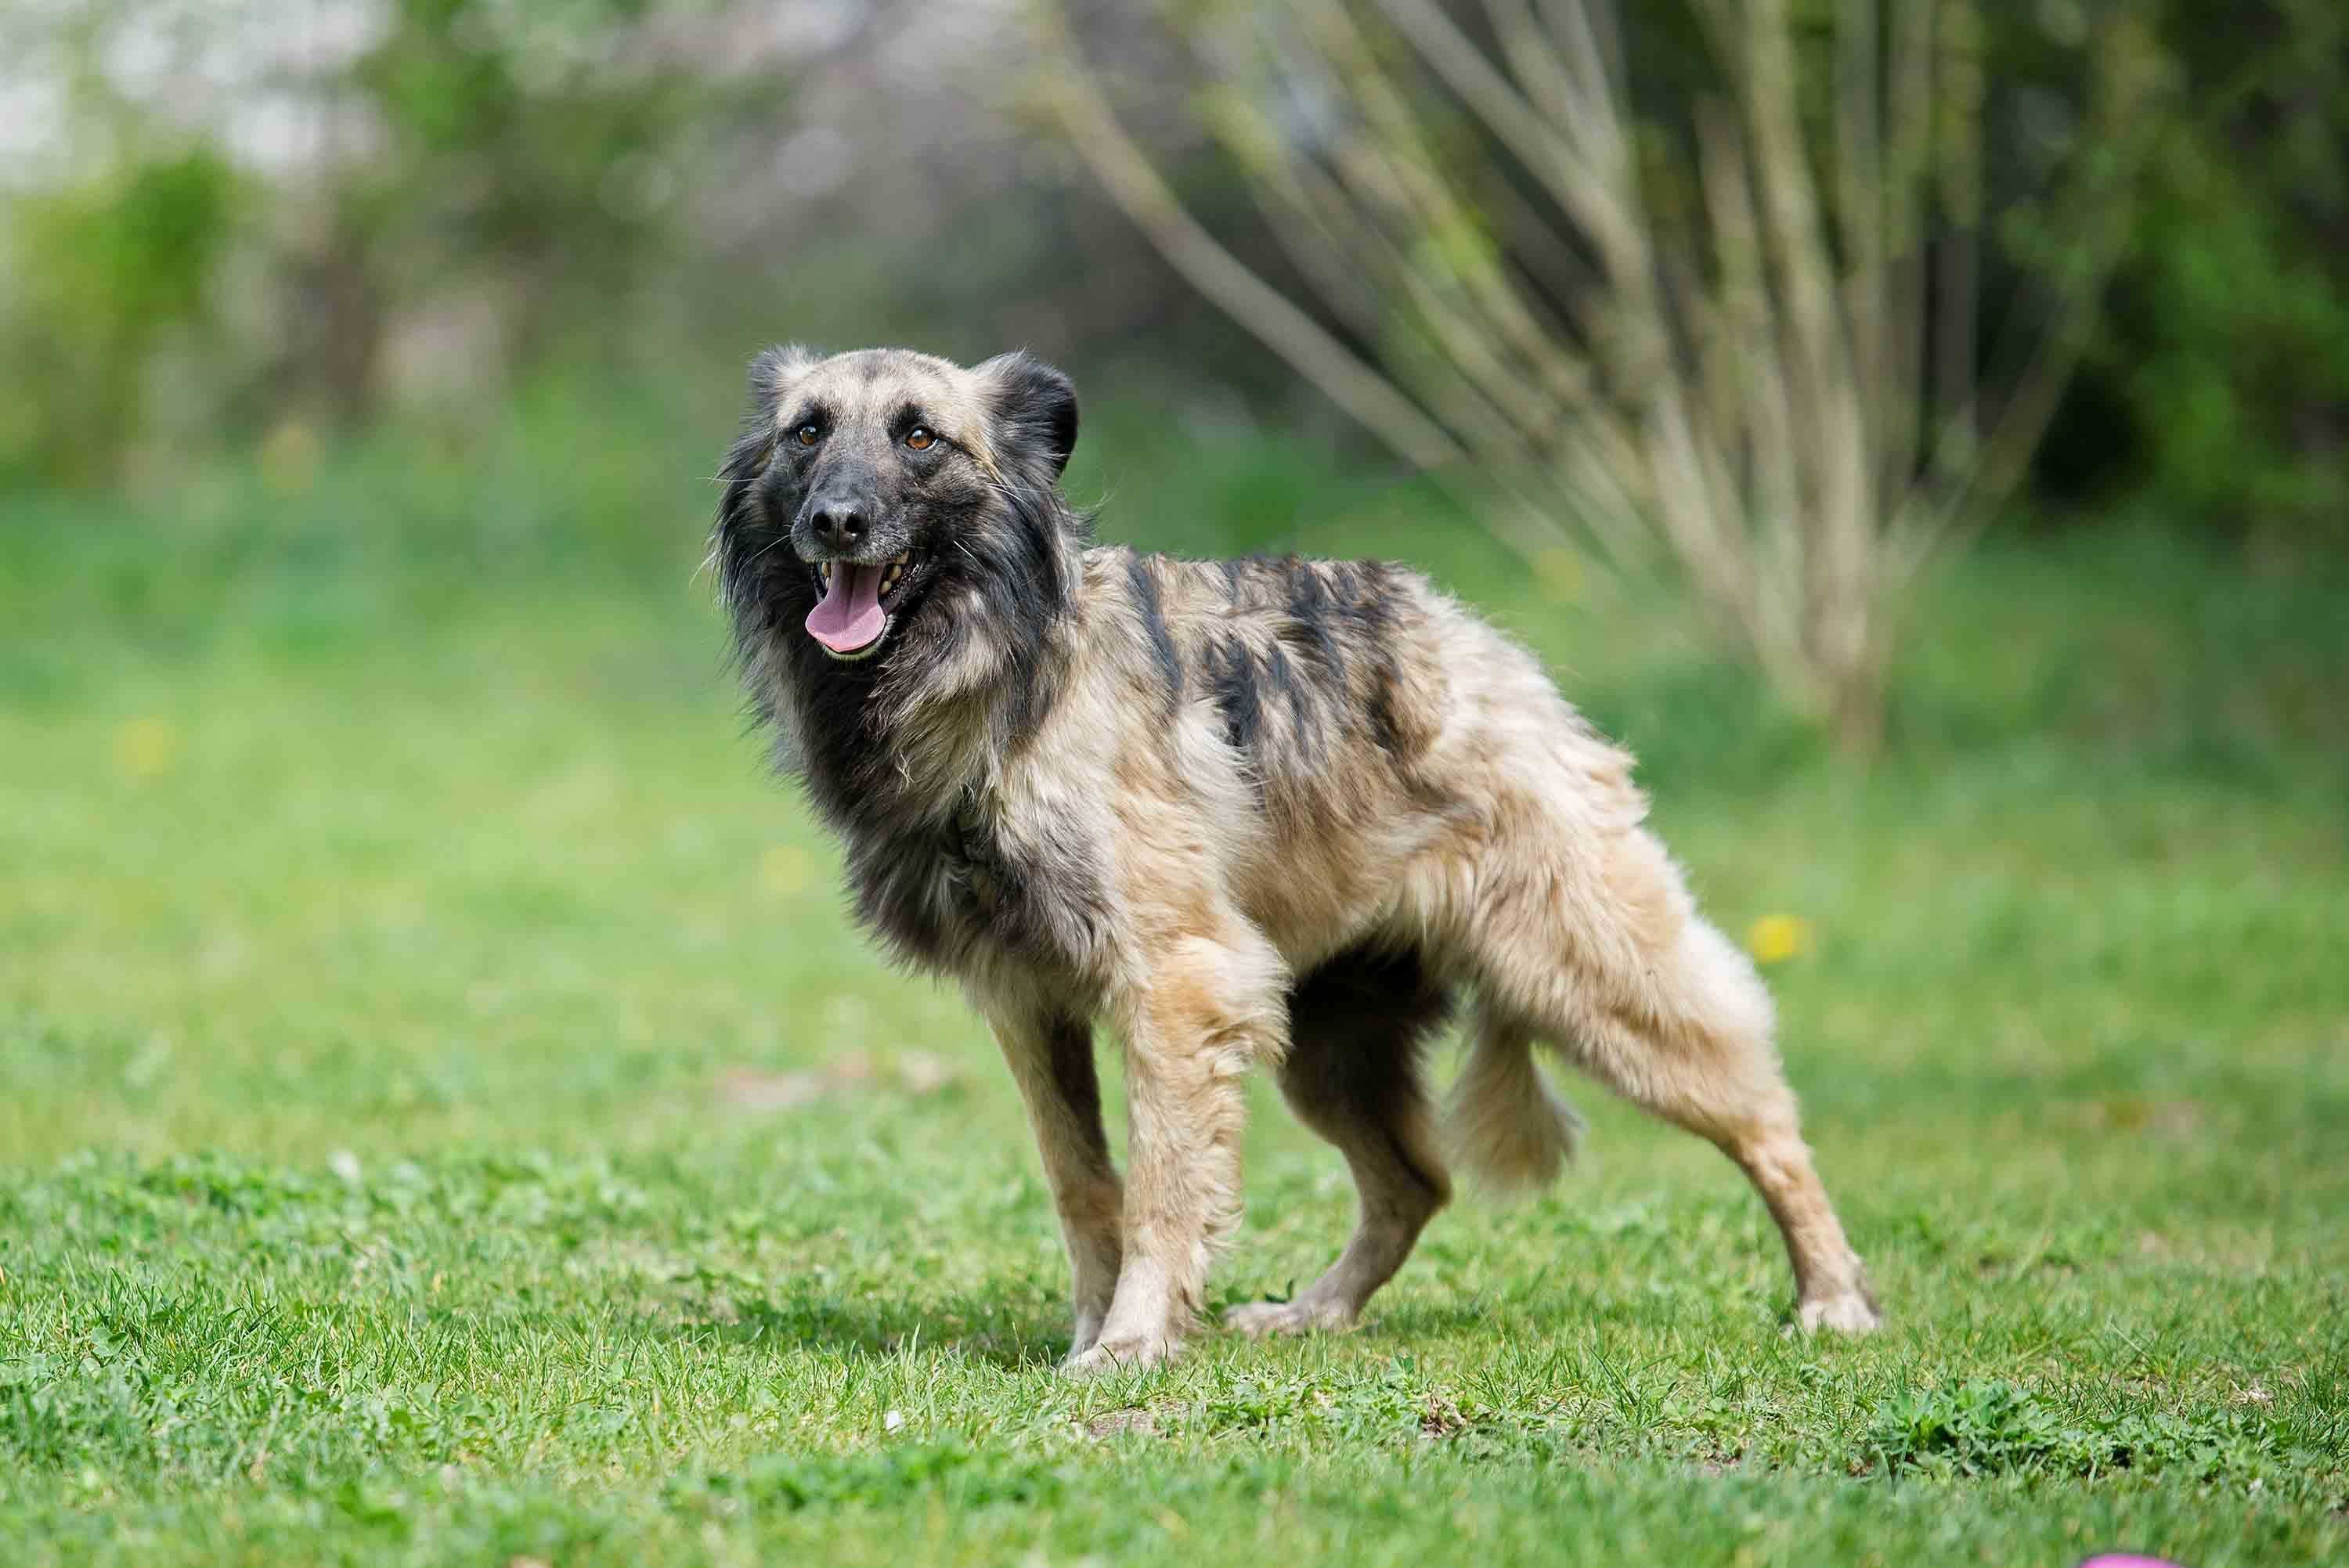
(852, 616)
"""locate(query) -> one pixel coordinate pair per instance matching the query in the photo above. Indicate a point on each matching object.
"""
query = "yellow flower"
(146, 748)
(1774, 938)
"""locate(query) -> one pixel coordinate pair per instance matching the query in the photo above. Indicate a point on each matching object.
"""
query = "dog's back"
(1343, 735)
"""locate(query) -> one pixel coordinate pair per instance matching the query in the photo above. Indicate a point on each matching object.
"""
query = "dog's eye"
(920, 439)
(808, 434)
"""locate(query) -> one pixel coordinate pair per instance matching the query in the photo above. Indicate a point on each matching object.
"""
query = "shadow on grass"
(1018, 1334)
(1013, 1336)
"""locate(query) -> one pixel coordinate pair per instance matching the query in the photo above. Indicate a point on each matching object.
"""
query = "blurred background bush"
(533, 241)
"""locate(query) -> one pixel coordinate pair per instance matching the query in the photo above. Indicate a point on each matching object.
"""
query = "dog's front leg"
(1051, 1058)
(1207, 1013)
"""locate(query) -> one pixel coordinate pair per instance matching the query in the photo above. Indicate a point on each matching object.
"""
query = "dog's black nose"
(839, 524)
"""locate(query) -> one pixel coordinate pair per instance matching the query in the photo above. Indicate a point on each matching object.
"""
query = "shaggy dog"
(1254, 813)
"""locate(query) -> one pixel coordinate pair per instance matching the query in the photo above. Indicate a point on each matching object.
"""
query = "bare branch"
(1860, 169)
(1896, 397)
(1738, 383)
(1127, 175)
(1561, 162)
(1958, 179)
(1748, 374)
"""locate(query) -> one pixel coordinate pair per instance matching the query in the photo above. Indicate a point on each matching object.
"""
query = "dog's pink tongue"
(850, 617)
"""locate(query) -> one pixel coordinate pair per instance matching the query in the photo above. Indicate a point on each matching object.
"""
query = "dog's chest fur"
(963, 890)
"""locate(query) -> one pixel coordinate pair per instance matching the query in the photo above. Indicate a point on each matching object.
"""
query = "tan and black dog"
(1253, 813)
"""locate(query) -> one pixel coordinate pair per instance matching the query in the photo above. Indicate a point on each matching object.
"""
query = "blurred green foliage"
(2228, 342)
(105, 275)
(541, 182)
(521, 156)
(518, 152)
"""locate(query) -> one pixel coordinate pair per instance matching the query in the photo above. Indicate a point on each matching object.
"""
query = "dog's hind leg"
(1599, 951)
(1051, 1058)
(1357, 1026)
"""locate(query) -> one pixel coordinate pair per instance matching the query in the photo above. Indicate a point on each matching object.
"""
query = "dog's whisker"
(779, 542)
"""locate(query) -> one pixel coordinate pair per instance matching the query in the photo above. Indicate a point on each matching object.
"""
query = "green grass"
(448, 1119)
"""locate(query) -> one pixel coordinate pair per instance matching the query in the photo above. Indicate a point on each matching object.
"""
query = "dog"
(1272, 814)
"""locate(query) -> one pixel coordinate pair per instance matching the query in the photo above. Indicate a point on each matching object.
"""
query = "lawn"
(448, 1118)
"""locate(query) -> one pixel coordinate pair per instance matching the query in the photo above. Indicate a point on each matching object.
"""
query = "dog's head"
(868, 487)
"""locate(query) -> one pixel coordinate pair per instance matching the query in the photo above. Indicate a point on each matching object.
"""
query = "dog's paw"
(1121, 1355)
(1851, 1312)
(1257, 1318)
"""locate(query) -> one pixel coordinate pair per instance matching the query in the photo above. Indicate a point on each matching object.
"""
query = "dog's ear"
(1034, 409)
(774, 370)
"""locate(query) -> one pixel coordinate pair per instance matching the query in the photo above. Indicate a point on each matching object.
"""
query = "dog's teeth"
(903, 556)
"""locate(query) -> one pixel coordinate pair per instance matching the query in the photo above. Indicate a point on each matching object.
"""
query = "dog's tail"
(1505, 1129)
